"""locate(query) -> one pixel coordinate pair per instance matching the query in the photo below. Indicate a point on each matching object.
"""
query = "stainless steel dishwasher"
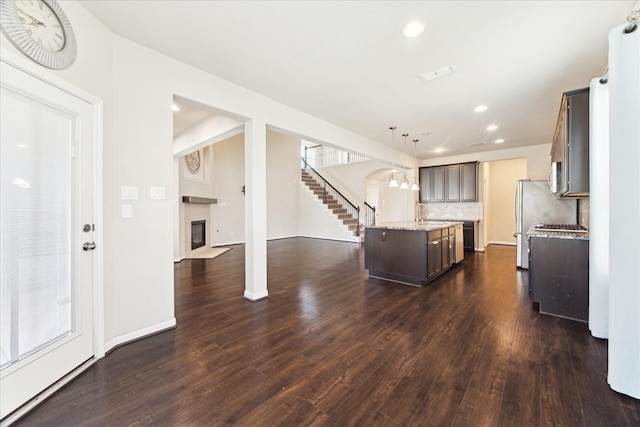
(459, 243)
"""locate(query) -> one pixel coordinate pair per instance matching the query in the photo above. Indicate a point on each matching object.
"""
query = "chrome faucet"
(420, 218)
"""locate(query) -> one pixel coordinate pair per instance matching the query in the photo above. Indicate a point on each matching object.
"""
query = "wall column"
(624, 211)
(255, 213)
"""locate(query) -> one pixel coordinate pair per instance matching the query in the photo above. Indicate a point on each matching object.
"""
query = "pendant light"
(392, 179)
(415, 186)
(404, 183)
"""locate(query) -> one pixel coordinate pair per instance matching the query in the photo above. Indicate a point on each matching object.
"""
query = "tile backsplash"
(469, 211)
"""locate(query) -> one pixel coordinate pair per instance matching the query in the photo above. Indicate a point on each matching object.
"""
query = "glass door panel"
(35, 216)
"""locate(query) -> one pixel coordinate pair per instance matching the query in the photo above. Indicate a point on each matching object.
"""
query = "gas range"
(565, 228)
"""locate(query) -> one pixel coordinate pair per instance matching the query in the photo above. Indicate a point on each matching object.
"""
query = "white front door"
(47, 286)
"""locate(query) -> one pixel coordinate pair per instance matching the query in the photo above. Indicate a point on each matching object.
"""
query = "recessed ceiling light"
(174, 107)
(480, 108)
(439, 150)
(499, 141)
(413, 29)
(492, 127)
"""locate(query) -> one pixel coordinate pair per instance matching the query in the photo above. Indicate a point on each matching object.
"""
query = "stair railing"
(369, 214)
(331, 193)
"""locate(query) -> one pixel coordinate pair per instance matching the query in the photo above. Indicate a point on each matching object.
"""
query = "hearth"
(198, 234)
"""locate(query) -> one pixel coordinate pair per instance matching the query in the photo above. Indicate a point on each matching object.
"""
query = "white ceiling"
(347, 61)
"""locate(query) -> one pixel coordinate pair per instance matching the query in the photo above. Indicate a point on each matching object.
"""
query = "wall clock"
(193, 162)
(41, 30)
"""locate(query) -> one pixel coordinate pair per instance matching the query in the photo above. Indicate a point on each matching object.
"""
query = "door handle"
(88, 246)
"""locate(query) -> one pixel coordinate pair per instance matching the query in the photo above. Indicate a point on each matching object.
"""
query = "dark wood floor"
(332, 347)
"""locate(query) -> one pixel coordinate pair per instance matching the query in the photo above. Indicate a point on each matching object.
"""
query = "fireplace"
(198, 234)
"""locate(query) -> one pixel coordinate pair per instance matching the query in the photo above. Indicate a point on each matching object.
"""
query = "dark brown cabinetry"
(449, 183)
(468, 182)
(449, 248)
(432, 184)
(570, 148)
(469, 233)
(398, 253)
(452, 183)
(559, 276)
(409, 256)
(434, 254)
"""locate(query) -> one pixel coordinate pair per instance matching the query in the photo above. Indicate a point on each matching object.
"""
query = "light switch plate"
(129, 193)
(127, 211)
(157, 193)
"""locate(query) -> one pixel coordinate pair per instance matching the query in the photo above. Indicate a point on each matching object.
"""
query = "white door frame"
(41, 73)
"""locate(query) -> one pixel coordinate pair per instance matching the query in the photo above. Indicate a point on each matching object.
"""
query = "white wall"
(395, 204)
(228, 179)
(143, 147)
(283, 182)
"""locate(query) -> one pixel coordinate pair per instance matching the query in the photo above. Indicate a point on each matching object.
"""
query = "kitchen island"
(409, 252)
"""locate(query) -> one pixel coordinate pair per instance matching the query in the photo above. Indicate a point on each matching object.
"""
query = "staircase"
(329, 199)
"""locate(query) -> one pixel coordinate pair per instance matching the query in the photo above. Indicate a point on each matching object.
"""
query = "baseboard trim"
(354, 240)
(218, 244)
(139, 334)
(498, 242)
(256, 297)
(283, 237)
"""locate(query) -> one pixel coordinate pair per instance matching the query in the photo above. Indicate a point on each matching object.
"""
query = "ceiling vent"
(477, 143)
(440, 72)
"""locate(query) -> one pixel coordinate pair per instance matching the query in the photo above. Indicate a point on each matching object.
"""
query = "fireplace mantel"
(199, 200)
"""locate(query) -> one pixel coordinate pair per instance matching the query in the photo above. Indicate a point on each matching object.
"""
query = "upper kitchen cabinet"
(450, 183)
(469, 182)
(432, 184)
(570, 148)
(425, 176)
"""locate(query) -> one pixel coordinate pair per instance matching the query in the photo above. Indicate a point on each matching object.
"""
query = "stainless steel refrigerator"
(535, 204)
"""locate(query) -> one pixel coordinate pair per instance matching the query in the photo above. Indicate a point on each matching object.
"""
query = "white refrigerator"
(535, 204)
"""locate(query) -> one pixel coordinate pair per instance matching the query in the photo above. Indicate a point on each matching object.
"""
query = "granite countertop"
(557, 234)
(412, 225)
(451, 218)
